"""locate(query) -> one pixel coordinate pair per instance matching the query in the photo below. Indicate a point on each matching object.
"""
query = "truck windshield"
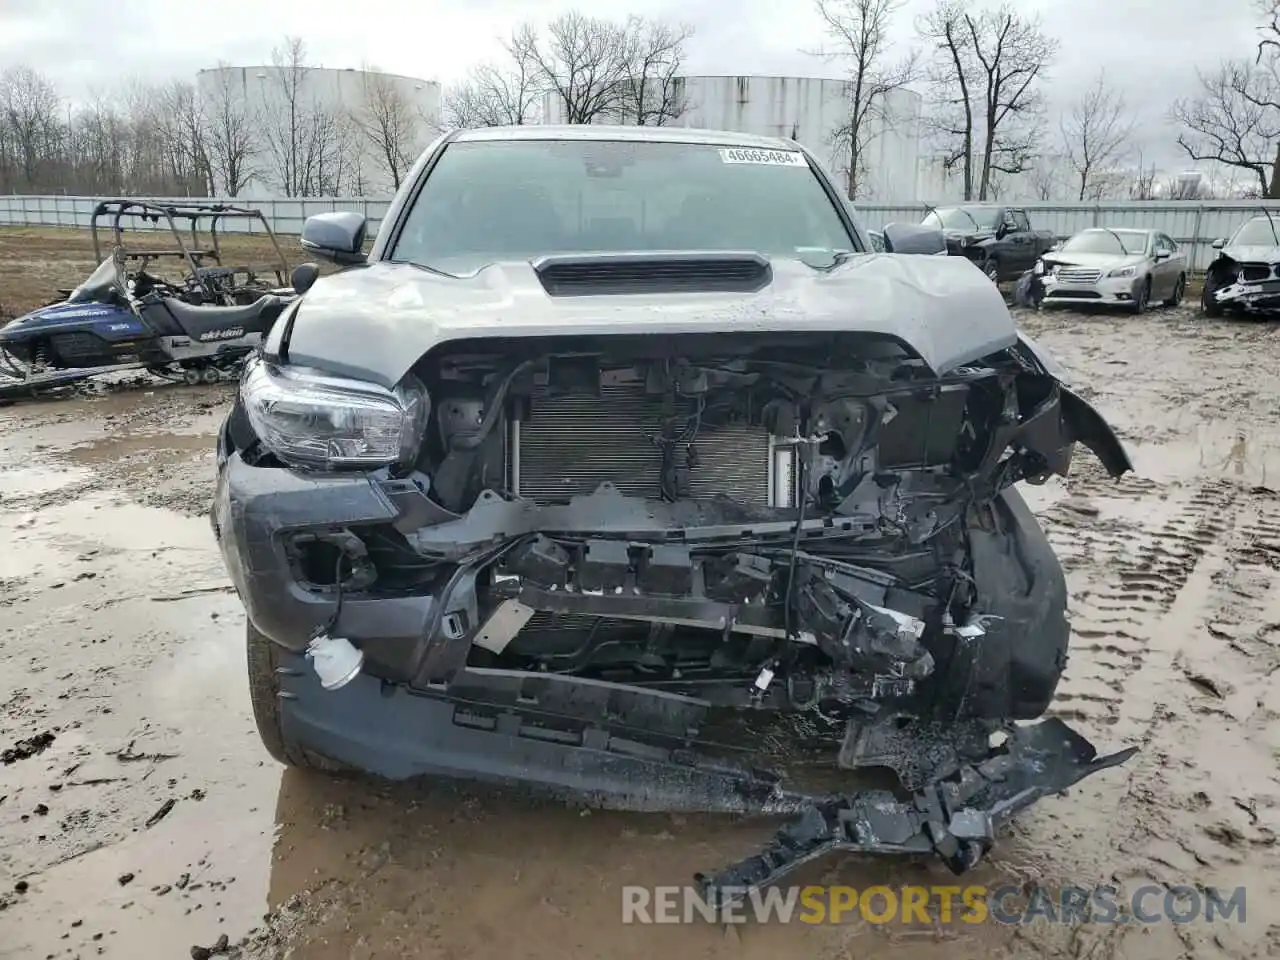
(963, 218)
(486, 201)
(1107, 241)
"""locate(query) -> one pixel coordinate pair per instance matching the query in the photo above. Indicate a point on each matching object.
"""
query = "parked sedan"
(1121, 267)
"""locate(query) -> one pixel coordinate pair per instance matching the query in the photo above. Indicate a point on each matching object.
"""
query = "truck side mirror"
(1219, 243)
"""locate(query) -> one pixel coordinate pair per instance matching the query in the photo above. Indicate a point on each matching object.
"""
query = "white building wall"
(810, 110)
(341, 93)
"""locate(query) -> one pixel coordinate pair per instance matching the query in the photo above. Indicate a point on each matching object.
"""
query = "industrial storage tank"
(335, 140)
(811, 110)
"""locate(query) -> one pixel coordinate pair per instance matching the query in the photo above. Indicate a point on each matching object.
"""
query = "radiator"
(568, 446)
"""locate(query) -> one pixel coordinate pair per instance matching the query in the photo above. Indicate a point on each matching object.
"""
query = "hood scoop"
(570, 275)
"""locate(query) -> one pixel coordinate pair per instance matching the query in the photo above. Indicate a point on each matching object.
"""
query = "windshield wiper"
(422, 266)
(1123, 248)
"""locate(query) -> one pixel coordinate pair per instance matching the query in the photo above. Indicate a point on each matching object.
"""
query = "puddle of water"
(109, 449)
(1233, 450)
(194, 707)
(35, 481)
(126, 526)
(107, 666)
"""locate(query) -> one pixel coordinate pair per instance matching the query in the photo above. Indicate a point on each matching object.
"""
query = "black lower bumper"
(517, 729)
(254, 509)
(469, 733)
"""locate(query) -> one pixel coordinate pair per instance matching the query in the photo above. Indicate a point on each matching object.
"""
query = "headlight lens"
(308, 419)
(1038, 269)
(1122, 272)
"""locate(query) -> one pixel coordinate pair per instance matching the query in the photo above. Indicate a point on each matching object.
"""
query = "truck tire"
(263, 660)
(992, 269)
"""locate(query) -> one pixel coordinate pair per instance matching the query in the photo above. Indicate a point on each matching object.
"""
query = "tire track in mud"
(1203, 689)
(1124, 574)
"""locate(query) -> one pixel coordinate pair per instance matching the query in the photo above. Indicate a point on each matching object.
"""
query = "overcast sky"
(1151, 49)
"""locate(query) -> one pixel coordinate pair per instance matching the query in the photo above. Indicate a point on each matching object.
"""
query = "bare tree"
(493, 96)
(388, 121)
(136, 138)
(31, 112)
(583, 65)
(860, 30)
(952, 118)
(1234, 121)
(592, 69)
(98, 141)
(308, 144)
(1184, 188)
(283, 117)
(988, 65)
(653, 56)
(184, 147)
(1143, 185)
(229, 135)
(596, 69)
(1095, 136)
(1045, 177)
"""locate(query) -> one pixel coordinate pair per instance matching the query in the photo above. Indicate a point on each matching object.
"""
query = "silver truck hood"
(374, 322)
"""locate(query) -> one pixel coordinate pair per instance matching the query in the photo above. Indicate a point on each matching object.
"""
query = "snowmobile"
(110, 323)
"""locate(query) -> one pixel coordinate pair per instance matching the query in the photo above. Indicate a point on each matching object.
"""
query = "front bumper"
(467, 733)
(253, 512)
(1105, 291)
(1260, 297)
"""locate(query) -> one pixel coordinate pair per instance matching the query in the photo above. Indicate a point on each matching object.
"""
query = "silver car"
(1121, 267)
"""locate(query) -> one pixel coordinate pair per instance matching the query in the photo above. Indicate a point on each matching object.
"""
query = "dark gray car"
(1244, 275)
(618, 454)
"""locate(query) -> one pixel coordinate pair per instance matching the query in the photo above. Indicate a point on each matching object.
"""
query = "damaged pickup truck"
(1244, 276)
(621, 468)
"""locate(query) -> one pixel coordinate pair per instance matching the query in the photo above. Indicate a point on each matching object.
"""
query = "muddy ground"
(140, 816)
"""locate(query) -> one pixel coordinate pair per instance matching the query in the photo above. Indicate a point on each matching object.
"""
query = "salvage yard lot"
(118, 637)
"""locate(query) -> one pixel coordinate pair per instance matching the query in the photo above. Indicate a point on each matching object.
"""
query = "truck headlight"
(1122, 272)
(1038, 269)
(308, 419)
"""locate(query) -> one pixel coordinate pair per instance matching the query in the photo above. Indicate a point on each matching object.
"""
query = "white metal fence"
(1194, 225)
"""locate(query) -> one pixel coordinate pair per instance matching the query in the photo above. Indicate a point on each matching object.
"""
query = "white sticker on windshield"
(776, 158)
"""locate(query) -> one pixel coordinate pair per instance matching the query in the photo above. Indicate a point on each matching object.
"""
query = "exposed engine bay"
(733, 514)
(772, 524)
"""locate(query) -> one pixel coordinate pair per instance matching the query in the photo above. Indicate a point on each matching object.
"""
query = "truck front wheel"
(992, 269)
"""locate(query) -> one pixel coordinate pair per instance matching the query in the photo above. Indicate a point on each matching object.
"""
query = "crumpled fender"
(1088, 427)
(1076, 422)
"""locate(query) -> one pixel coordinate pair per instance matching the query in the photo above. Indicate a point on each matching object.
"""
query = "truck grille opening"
(567, 447)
